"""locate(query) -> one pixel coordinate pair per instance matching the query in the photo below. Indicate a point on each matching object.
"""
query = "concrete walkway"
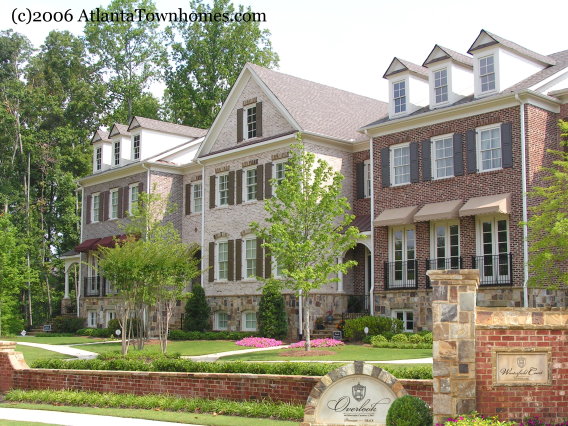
(72, 419)
(215, 357)
(62, 349)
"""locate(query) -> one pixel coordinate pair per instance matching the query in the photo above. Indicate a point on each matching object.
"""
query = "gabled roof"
(100, 135)
(119, 129)
(440, 53)
(164, 126)
(400, 65)
(485, 38)
(318, 108)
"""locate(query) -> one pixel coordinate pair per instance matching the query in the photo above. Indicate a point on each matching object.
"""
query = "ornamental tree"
(307, 227)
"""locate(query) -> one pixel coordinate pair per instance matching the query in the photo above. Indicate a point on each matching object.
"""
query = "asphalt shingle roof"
(164, 126)
(451, 54)
(410, 66)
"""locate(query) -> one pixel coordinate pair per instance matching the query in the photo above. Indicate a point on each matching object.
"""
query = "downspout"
(82, 219)
(372, 211)
(145, 324)
(524, 199)
(202, 220)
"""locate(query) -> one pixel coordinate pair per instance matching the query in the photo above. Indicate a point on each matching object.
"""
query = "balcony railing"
(442, 263)
(358, 304)
(494, 270)
(94, 286)
(401, 275)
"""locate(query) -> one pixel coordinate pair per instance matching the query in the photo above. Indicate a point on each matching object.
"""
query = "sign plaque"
(521, 367)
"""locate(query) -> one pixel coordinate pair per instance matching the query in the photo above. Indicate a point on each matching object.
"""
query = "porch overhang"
(490, 204)
(400, 216)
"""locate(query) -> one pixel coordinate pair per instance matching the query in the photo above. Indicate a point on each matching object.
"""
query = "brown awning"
(500, 203)
(362, 222)
(438, 211)
(110, 241)
(400, 216)
(87, 245)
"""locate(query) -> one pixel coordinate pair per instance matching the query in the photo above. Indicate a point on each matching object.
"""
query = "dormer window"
(399, 96)
(487, 73)
(136, 147)
(116, 153)
(99, 158)
(441, 85)
(250, 123)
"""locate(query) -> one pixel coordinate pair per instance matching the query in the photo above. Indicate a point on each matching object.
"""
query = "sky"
(350, 44)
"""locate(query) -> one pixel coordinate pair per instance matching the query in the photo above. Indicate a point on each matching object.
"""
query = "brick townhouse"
(464, 136)
(444, 164)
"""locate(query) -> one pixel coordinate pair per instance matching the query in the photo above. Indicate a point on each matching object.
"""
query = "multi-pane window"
(407, 318)
(222, 260)
(494, 247)
(250, 184)
(197, 195)
(250, 258)
(251, 122)
(441, 85)
(136, 147)
(443, 157)
(446, 246)
(403, 254)
(223, 190)
(487, 73)
(279, 170)
(91, 318)
(113, 205)
(401, 164)
(133, 199)
(99, 158)
(110, 315)
(222, 321)
(95, 214)
(249, 321)
(116, 153)
(490, 149)
(399, 96)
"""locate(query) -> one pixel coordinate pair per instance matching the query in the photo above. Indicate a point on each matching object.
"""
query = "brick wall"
(361, 206)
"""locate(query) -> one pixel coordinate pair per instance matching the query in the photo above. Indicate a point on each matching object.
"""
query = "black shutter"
(231, 254)
(267, 177)
(385, 167)
(260, 182)
(106, 197)
(360, 178)
(238, 259)
(101, 206)
(239, 186)
(140, 187)
(458, 155)
(125, 195)
(471, 151)
(231, 197)
(259, 119)
(187, 198)
(507, 144)
(267, 263)
(211, 262)
(259, 257)
(239, 125)
(414, 162)
(88, 209)
(120, 206)
(212, 191)
(427, 160)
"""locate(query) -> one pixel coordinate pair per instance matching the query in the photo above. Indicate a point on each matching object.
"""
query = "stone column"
(66, 296)
(453, 320)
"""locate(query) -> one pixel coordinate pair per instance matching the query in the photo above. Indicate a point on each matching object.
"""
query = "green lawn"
(188, 347)
(20, 423)
(32, 354)
(71, 340)
(342, 353)
(164, 416)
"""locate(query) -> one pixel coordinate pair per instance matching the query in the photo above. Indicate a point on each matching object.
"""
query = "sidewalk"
(215, 357)
(72, 419)
(62, 349)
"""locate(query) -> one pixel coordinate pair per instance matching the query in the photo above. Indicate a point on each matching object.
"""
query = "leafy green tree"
(308, 227)
(131, 54)
(548, 225)
(197, 311)
(272, 320)
(206, 59)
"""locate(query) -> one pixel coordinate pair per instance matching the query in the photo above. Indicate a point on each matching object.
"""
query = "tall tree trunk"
(308, 344)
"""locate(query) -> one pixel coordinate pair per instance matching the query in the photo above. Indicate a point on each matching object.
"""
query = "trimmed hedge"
(65, 324)
(354, 328)
(209, 335)
(409, 411)
(95, 332)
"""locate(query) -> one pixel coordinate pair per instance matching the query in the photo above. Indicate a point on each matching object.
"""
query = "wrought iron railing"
(494, 270)
(94, 286)
(401, 275)
(442, 263)
(358, 303)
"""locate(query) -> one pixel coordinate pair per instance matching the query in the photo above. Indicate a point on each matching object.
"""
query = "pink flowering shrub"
(258, 342)
(318, 343)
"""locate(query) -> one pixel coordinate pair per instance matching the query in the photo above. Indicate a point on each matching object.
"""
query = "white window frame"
(217, 321)
(405, 320)
(111, 213)
(275, 270)
(136, 139)
(218, 260)
(479, 159)
(394, 283)
(434, 158)
(110, 289)
(197, 189)
(132, 188)
(99, 158)
(246, 184)
(494, 219)
(447, 242)
(404, 106)
(249, 276)
(275, 178)
(244, 321)
(218, 190)
(92, 319)
(95, 207)
(447, 85)
(392, 166)
(115, 153)
(367, 178)
(246, 124)
(108, 315)
(494, 89)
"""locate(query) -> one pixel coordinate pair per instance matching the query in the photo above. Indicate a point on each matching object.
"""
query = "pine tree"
(197, 311)
(272, 314)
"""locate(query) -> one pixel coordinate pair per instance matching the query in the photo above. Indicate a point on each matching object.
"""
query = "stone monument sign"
(521, 366)
(355, 394)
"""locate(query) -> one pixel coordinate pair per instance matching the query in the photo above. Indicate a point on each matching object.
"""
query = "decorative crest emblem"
(521, 361)
(359, 391)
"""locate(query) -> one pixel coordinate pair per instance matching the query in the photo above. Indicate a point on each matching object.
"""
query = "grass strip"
(259, 409)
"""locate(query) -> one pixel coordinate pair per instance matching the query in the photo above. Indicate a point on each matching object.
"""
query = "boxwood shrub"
(409, 411)
(354, 329)
(209, 335)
